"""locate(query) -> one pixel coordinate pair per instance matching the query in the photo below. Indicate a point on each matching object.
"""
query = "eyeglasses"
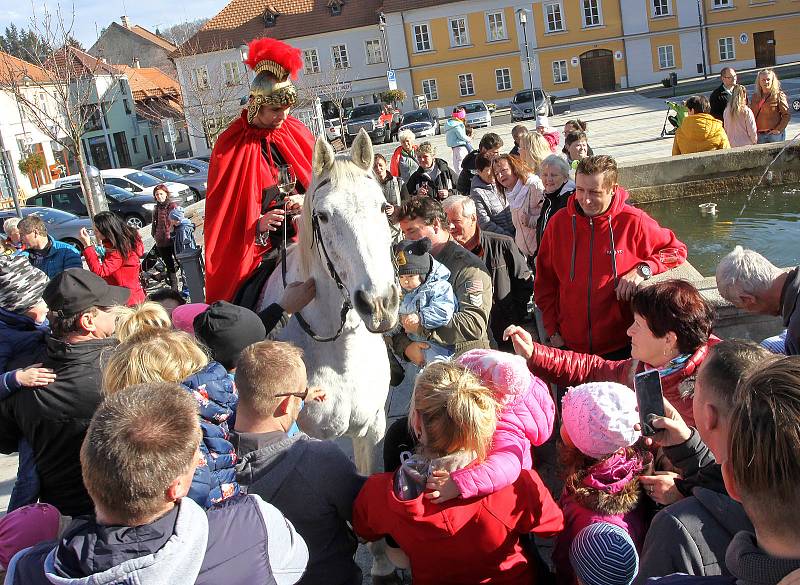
(728, 77)
(300, 395)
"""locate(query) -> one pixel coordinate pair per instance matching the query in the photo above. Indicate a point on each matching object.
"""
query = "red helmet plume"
(265, 53)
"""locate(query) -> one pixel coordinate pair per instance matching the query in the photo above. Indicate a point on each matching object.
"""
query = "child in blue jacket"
(428, 299)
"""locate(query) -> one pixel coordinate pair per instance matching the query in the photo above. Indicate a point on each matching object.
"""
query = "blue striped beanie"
(604, 554)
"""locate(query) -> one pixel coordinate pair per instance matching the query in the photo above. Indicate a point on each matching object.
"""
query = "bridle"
(316, 238)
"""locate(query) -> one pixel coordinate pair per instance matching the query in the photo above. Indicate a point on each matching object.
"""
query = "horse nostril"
(363, 302)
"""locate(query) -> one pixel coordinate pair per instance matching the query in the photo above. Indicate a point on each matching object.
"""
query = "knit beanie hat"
(26, 527)
(413, 257)
(599, 417)
(21, 284)
(183, 316)
(511, 380)
(177, 214)
(227, 329)
(604, 554)
(460, 114)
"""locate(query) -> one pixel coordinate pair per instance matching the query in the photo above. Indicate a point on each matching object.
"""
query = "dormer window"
(270, 16)
(335, 6)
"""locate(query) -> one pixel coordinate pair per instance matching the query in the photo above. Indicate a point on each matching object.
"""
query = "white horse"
(344, 236)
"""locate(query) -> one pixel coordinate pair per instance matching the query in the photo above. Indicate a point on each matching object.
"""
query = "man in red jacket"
(592, 258)
(243, 205)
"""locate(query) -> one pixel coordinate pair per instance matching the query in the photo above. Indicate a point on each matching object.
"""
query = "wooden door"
(764, 43)
(597, 71)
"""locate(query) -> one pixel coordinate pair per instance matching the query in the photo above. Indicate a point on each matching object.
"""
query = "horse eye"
(323, 217)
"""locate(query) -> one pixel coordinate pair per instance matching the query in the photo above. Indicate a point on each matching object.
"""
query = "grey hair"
(557, 162)
(466, 204)
(11, 223)
(745, 272)
(403, 134)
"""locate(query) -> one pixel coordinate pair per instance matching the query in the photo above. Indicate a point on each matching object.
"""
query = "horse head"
(344, 225)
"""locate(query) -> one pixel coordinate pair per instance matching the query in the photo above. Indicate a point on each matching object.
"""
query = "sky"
(93, 15)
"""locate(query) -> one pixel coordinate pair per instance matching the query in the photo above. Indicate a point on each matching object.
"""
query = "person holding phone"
(671, 333)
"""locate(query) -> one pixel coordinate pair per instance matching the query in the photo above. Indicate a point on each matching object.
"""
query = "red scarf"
(236, 179)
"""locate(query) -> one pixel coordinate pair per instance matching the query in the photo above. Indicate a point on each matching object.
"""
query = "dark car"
(136, 210)
(206, 158)
(522, 107)
(197, 183)
(421, 122)
(60, 224)
(376, 119)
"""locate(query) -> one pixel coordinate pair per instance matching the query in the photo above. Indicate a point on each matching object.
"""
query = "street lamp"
(702, 40)
(522, 13)
(382, 27)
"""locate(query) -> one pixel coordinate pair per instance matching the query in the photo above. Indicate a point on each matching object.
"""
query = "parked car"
(522, 108)
(205, 158)
(137, 182)
(376, 119)
(198, 183)
(478, 114)
(796, 104)
(186, 167)
(333, 129)
(61, 225)
(136, 210)
(420, 122)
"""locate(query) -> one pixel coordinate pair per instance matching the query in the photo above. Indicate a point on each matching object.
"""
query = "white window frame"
(457, 40)
(343, 56)
(427, 42)
(545, 9)
(662, 63)
(233, 76)
(654, 8)
(311, 61)
(560, 67)
(730, 49)
(468, 79)
(200, 78)
(501, 27)
(430, 89)
(503, 74)
(598, 6)
(721, 4)
(376, 57)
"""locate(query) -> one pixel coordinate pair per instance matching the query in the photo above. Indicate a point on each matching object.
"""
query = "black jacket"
(719, 101)
(467, 172)
(552, 203)
(697, 465)
(512, 281)
(54, 420)
(444, 179)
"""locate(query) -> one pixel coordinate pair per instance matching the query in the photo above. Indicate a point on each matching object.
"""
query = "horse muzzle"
(379, 313)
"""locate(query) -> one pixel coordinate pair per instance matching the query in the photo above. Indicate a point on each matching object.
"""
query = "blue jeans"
(767, 138)
(26, 488)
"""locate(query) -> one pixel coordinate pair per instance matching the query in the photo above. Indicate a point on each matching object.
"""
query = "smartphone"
(650, 399)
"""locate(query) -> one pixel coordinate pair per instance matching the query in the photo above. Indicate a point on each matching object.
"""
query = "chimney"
(125, 22)
(136, 63)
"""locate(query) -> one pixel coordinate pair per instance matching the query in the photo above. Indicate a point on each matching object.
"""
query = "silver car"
(522, 108)
(62, 225)
(478, 114)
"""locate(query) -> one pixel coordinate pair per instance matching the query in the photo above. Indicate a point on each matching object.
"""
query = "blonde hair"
(153, 355)
(533, 149)
(774, 88)
(144, 317)
(738, 102)
(266, 368)
(456, 411)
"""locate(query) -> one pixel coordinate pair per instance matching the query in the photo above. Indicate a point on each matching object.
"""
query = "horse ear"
(323, 157)
(362, 150)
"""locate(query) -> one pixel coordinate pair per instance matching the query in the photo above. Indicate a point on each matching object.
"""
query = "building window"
(335, 6)
(554, 20)
(310, 61)
(722, 4)
(666, 57)
(661, 8)
(374, 52)
(726, 50)
(231, 70)
(430, 89)
(135, 145)
(158, 142)
(458, 32)
(496, 27)
(422, 38)
(560, 72)
(502, 78)
(466, 85)
(340, 58)
(591, 13)
(127, 106)
(200, 78)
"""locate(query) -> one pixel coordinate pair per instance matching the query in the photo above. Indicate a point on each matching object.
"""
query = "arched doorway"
(597, 71)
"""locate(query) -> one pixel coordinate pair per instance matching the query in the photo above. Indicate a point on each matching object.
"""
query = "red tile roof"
(13, 69)
(152, 37)
(242, 21)
(149, 82)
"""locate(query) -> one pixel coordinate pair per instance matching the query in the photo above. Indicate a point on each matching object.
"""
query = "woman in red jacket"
(461, 541)
(120, 265)
(671, 333)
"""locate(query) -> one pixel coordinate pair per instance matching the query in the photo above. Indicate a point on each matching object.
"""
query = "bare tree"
(66, 92)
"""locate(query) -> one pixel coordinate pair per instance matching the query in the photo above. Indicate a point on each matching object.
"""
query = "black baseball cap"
(76, 290)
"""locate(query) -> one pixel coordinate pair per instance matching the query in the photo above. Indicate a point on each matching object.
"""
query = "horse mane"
(343, 171)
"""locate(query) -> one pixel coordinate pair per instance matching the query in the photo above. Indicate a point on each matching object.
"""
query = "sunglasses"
(300, 395)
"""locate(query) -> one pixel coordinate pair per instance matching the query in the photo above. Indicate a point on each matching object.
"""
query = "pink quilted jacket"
(526, 418)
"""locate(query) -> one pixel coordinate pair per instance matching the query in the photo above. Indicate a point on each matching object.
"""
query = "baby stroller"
(680, 113)
(154, 272)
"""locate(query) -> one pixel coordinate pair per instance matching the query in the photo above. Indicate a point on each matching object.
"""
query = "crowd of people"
(157, 438)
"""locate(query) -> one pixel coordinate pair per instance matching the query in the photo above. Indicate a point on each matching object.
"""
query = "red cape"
(236, 179)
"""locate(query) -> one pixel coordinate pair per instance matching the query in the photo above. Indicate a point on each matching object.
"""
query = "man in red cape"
(245, 162)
